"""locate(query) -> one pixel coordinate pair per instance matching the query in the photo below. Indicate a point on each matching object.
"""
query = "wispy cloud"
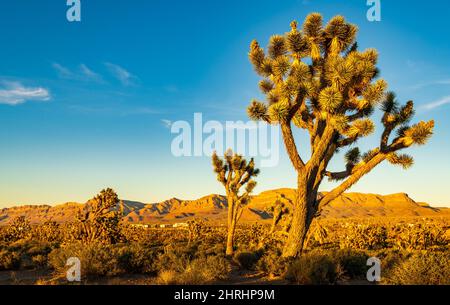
(62, 71)
(166, 123)
(83, 73)
(431, 83)
(89, 74)
(443, 101)
(124, 76)
(14, 93)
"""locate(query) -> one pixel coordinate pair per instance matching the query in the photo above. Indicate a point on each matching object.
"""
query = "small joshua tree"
(280, 210)
(316, 79)
(100, 218)
(234, 172)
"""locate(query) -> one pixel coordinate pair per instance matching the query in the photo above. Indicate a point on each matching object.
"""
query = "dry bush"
(272, 263)
(137, 258)
(353, 262)
(422, 268)
(313, 269)
(9, 260)
(247, 260)
(96, 259)
(202, 270)
(24, 254)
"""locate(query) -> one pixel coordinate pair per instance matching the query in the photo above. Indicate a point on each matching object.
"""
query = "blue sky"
(83, 105)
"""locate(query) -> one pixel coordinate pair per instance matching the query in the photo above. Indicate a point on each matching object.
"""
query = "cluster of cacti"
(197, 228)
(362, 236)
(418, 236)
(316, 79)
(19, 228)
(234, 173)
(48, 231)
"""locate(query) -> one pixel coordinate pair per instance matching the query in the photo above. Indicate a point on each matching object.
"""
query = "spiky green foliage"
(317, 79)
(235, 173)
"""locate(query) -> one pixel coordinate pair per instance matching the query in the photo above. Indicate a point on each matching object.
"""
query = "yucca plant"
(234, 172)
(316, 79)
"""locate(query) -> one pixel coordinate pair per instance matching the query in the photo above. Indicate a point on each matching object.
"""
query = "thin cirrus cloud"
(432, 83)
(120, 73)
(438, 103)
(166, 123)
(15, 93)
(82, 74)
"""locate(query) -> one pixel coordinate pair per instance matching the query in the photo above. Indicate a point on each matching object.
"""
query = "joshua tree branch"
(291, 147)
(359, 172)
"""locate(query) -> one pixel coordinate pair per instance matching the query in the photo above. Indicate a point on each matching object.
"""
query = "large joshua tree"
(316, 79)
(234, 172)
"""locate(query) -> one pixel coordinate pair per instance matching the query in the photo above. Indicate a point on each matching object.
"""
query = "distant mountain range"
(214, 208)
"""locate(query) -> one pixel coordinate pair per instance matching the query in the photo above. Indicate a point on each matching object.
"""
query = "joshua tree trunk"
(301, 219)
(232, 217)
(230, 239)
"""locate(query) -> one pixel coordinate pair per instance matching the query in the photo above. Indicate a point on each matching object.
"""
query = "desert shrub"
(390, 258)
(313, 269)
(216, 249)
(198, 271)
(247, 260)
(9, 260)
(137, 258)
(40, 260)
(272, 263)
(365, 236)
(96, 259)
(429, 268)
(353, 262)
(25, 254)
